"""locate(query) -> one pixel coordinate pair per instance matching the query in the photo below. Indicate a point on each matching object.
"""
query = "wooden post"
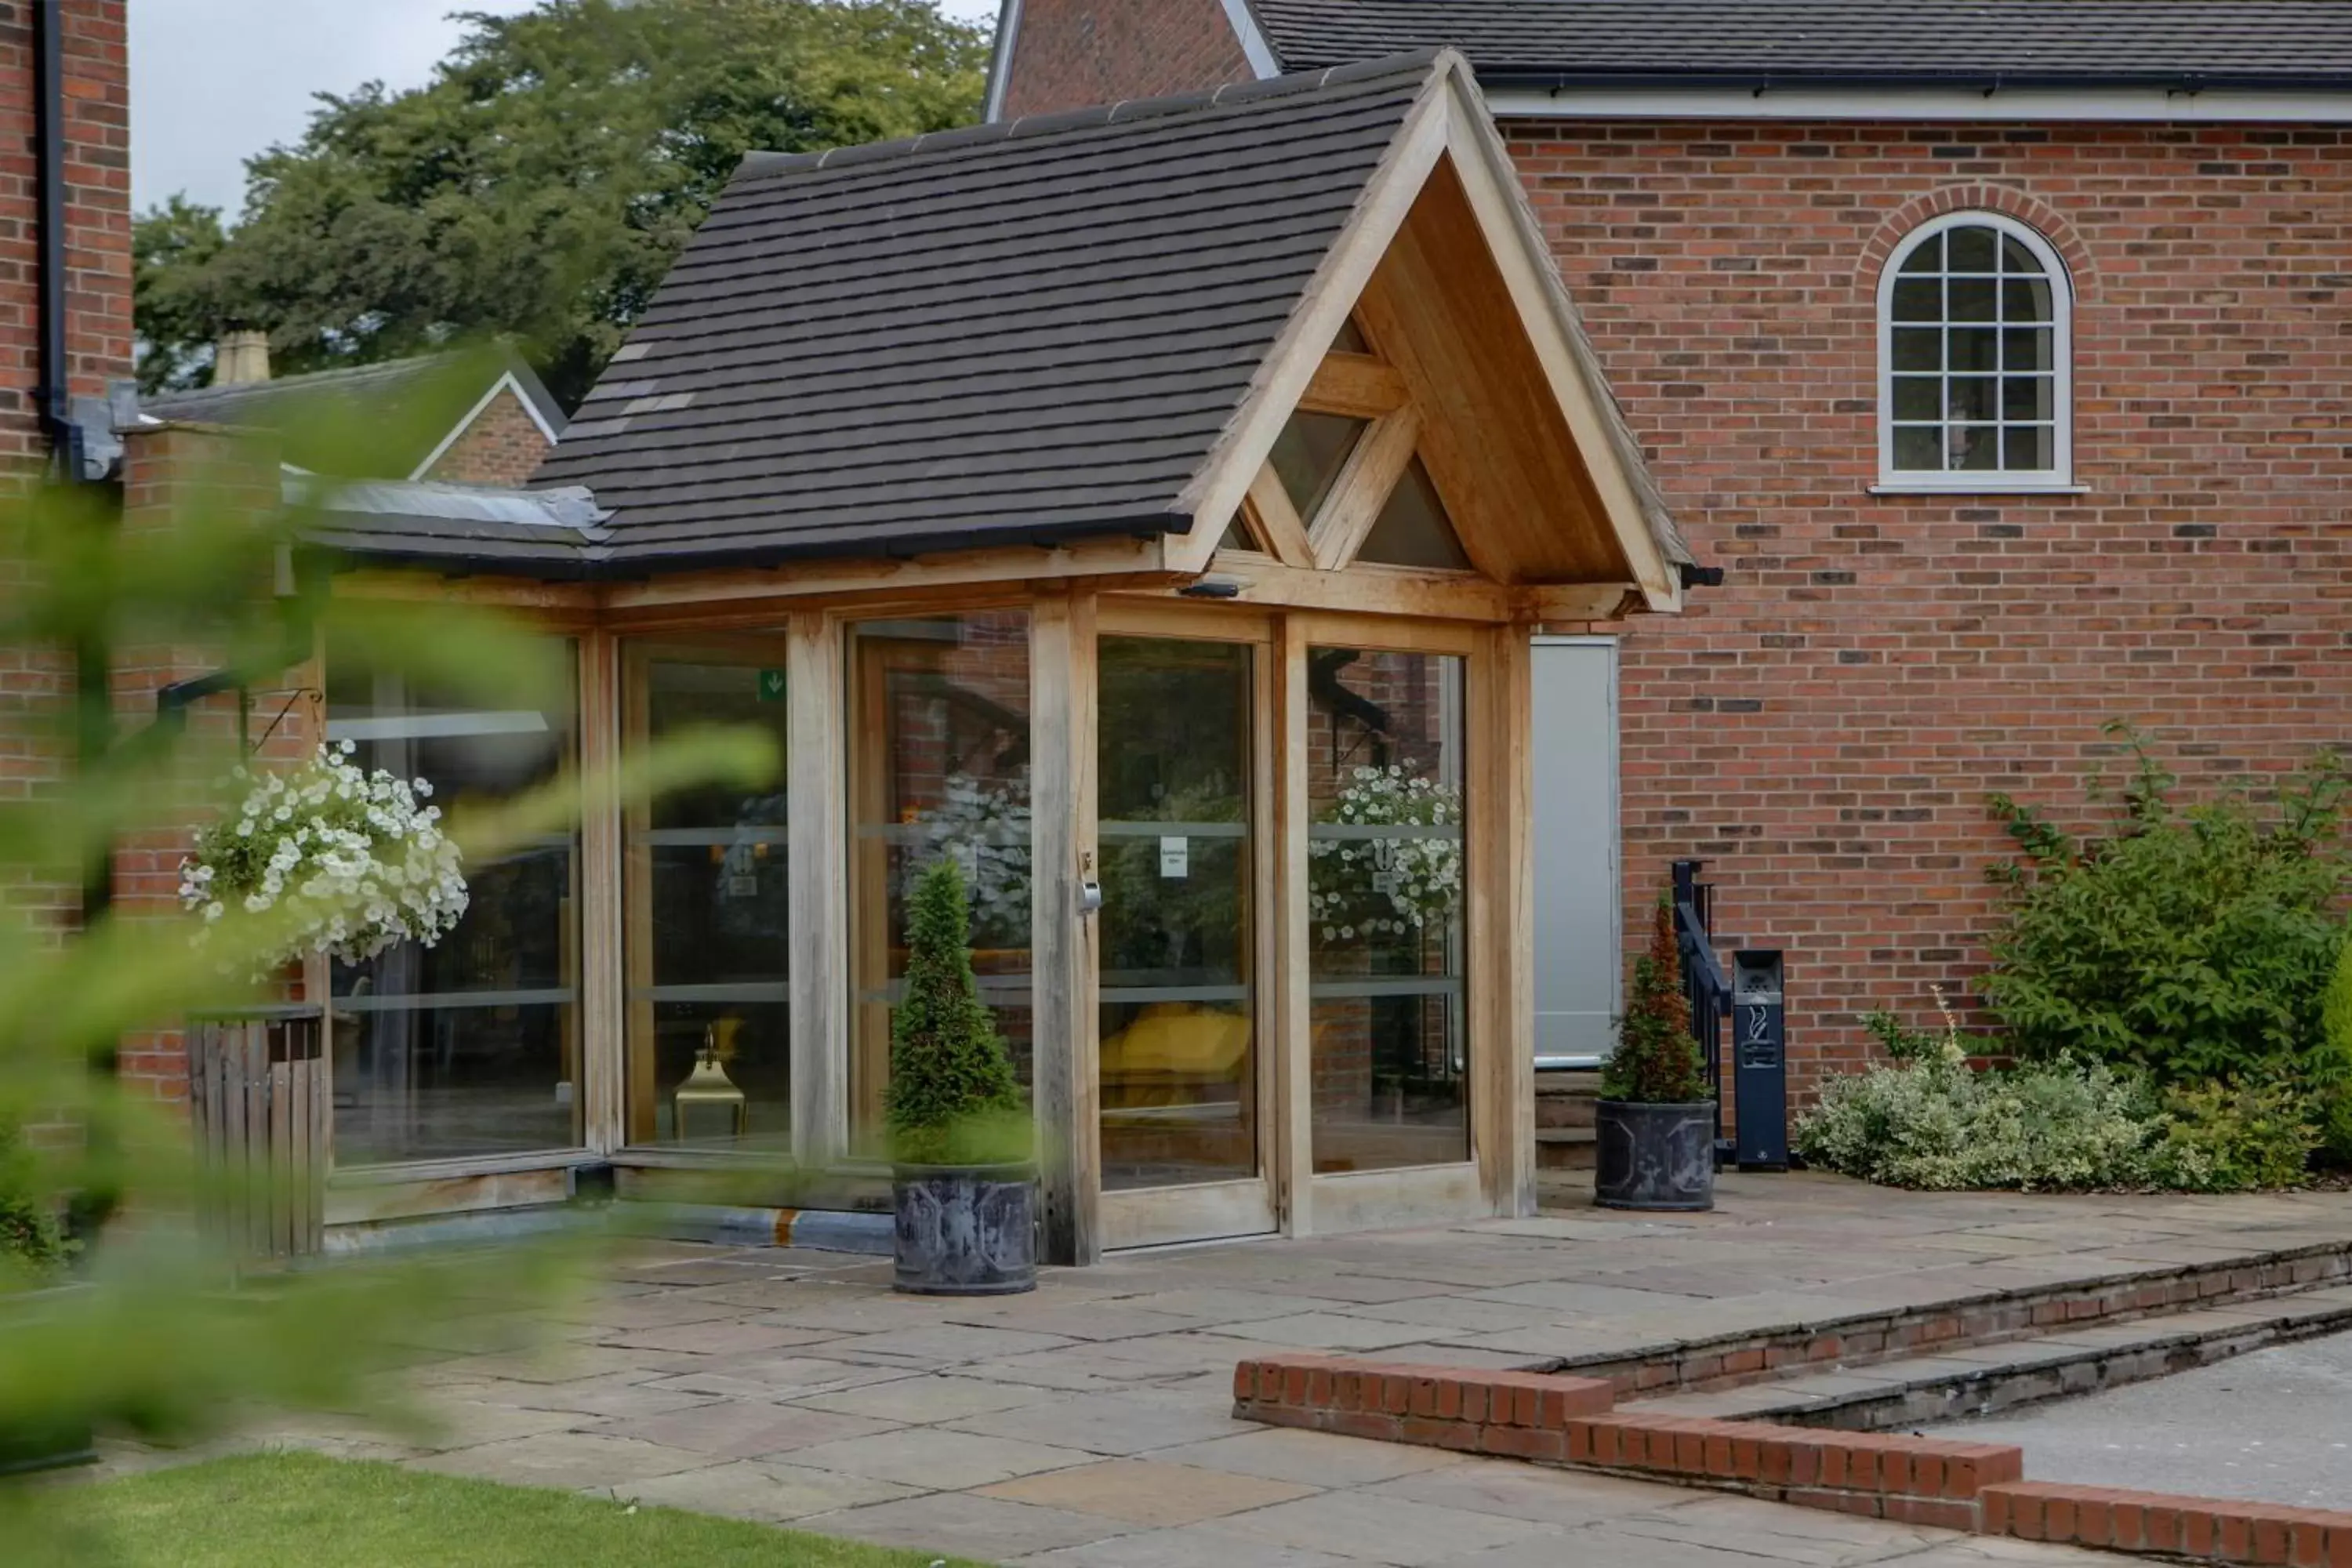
(602, 1046)
(1292, 1147)
(817, 866)
(1062, 719)
(1502, 930)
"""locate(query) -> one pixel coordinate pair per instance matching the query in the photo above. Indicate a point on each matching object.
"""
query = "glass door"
(707, 904)
(1182, 1030)
(1386, 879)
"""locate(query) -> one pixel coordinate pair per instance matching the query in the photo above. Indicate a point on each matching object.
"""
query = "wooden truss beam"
(1358, 385)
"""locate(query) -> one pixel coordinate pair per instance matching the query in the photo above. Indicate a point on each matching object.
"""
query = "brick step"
(1566, 1148)
(1566, 1111)
(1955, 1383)
(2082, 1297)
(1941, 1482)
(1567, 1100)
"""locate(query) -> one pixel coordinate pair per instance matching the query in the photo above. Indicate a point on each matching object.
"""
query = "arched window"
(1975, 359)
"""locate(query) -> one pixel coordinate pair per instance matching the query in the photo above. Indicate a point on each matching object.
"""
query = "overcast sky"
(215, 81)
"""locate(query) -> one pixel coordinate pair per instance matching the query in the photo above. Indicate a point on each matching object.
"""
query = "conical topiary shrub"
(1657, 1061)
(953, 1098)
(1655, 1126)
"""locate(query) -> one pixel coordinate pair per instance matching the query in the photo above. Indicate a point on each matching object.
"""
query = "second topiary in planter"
(1655, 1119)
(962, 1187)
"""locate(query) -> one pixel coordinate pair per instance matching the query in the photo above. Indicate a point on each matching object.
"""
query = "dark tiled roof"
(389, 386)
(1024, 331)
(2210, 43)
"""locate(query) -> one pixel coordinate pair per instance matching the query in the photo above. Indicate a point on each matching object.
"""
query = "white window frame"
(2059, 479)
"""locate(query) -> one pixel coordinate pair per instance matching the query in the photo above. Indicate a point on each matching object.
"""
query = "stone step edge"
(1866, 1337)
(2007, 1385)
(1571, 1422)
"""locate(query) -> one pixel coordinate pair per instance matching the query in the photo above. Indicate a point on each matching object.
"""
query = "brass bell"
(709, 1095)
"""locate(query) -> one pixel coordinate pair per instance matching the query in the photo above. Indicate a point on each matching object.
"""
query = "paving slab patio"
(1089, 1425)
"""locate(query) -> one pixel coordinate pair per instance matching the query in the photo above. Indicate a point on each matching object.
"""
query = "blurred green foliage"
(147, 1334)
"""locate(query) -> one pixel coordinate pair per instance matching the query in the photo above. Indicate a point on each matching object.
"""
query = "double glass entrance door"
(1194, 1057)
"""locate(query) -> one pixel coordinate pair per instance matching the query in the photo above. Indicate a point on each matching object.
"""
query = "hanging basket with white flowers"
(351, 860)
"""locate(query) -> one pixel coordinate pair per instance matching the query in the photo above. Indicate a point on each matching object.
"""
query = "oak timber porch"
(1152, 507)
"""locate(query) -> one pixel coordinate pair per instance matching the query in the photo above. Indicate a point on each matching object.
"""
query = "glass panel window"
(1971, 299)
(1412, 529)
(1973, 379)
(1919, 300)
(939, 739)
(1970, 250)
(1917, 348)
(1309, 454)
(708, 905)
(1178, 1071)
(470, 1047)
(1918, 397)
(1389, 1039)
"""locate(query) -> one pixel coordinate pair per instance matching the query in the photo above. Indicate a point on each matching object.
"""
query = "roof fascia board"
(1000, 60)
(506, 383)
(2037, 105)
(1252, 38)
(1499, 201)
(1224, 479)
(545, 412)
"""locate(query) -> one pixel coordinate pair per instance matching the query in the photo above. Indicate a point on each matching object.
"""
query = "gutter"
(599, 563)
(1540, 79)
(53, 400)
(54, 393)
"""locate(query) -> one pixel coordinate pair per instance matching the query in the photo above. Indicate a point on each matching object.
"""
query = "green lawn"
(301, 1511)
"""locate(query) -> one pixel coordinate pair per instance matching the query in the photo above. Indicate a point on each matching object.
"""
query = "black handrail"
(1705, 984)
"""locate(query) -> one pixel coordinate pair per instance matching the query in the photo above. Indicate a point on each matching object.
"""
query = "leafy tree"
(1657, 1060)
(540, 184)
(954, 1098)
(172, 247)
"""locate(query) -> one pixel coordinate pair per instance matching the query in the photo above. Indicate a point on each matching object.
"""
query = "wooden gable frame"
(1477, 371)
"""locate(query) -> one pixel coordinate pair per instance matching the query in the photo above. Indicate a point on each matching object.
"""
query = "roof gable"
(411, 396)
(1487, 379)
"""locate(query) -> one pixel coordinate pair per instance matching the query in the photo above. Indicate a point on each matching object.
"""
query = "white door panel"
(1578, 916)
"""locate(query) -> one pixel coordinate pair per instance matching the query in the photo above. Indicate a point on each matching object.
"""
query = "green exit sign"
(772, 686)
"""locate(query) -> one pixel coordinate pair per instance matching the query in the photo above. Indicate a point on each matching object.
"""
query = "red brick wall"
(503, 445)
(98, 210)
(37, 683)
(1825, 728)
(167, 471)
(1073, 54)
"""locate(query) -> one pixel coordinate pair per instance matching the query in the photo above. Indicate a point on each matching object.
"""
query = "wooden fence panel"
(257, 1097)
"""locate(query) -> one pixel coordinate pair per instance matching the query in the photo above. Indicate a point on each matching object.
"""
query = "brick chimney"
(241, 358)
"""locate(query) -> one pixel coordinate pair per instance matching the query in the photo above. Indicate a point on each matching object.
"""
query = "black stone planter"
(1655, 1156)
(965, 1230)
(24, 1450)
